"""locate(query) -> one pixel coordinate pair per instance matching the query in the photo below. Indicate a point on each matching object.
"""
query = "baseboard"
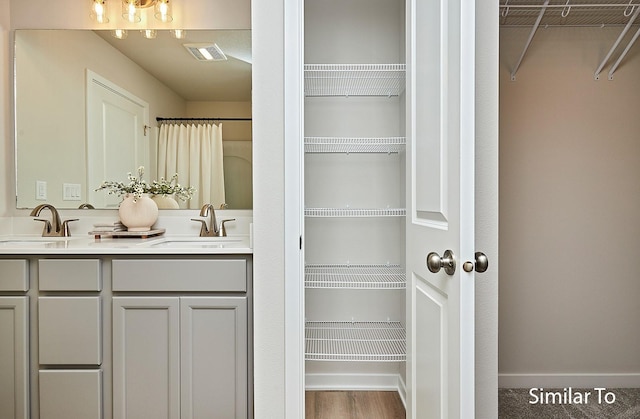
(356, 382)
(402, 391)
(569, 380)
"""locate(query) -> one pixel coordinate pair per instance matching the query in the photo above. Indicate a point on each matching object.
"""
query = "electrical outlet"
(41, 190)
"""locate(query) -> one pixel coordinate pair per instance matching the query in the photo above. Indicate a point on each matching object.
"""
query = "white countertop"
(158, 245)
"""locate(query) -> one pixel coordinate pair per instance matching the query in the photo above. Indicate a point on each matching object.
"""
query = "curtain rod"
(159, 119)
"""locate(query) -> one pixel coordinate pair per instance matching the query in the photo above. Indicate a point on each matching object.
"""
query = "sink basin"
(199, 242)
(13, 243)
(32, 241)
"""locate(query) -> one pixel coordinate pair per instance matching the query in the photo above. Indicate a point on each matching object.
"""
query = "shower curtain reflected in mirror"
(194, 152)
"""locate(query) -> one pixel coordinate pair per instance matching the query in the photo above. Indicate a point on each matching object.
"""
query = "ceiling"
(169, 61)
(568, 12)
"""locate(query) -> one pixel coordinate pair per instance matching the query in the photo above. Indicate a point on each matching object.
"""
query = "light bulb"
(120, 33)
(149, 33)
(99, 11)
(179, 33)
(163, 11)
(130, 12)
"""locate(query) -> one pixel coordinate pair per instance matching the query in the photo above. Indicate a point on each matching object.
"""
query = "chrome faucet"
(212, 229)
(55, 228)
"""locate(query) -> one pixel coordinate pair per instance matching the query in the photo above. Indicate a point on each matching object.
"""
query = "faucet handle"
(203, 229)
(65, 227)
(47, 226)
(223, 230)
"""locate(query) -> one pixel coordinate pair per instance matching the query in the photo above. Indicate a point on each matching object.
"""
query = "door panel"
(431, 349)
(440, 181)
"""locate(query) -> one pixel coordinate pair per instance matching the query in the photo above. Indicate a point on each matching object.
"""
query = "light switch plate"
(41, 190)
(71, 192)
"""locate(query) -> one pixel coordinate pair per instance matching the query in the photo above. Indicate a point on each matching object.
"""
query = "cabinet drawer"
(69, 275)
(69, 331)
(70, 394)
(14, 275)
(180, 275)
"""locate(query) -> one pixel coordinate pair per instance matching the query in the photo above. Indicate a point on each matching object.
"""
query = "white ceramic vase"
(165, 202)
(138, 214)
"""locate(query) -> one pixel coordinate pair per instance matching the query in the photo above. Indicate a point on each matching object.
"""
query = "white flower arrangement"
(137, 186)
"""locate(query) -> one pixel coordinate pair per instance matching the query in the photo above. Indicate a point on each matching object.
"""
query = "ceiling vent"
(206, 52)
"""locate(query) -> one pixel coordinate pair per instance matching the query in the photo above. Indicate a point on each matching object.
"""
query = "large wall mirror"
(87, 106)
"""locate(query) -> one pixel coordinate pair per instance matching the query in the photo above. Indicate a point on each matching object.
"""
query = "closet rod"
(159, 119)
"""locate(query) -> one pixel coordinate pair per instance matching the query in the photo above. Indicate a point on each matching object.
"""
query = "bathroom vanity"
(125, 328)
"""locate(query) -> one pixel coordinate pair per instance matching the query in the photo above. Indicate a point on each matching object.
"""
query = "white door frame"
(294, 209)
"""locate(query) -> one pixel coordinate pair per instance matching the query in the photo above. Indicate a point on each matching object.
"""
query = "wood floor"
(353, 405)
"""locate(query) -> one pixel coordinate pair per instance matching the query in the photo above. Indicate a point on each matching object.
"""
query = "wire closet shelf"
(354, 145)
(357, 276)
(355, 341)
(355, 212)
(566, 13)
(354, 79)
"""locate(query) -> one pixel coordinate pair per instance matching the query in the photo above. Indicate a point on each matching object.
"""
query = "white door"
(440, 210)
(116, 133)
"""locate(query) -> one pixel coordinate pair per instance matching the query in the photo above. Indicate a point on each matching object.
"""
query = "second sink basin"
(198, 242)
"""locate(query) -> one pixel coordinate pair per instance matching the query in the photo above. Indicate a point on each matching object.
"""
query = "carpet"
(569, 403)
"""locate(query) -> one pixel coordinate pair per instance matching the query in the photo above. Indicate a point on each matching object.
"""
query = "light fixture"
(149, 33)
(132, 10)
(120, 33)
(179, 33)
(99, 11)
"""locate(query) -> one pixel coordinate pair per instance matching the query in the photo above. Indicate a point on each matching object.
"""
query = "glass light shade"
(179, 33)
(99, 11)
(120, 33)
(130, 12)
(163, 10)
(149, 33)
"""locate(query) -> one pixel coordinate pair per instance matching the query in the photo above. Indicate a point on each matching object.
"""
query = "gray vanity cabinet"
(181, 342)
(14, 348)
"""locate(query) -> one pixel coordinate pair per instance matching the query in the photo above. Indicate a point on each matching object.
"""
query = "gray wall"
(569, 212)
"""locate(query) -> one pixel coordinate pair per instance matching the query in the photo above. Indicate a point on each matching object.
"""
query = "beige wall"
(569, 211)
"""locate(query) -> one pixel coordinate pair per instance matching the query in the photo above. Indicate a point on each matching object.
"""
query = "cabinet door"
(66, 394)
(214, 349)
(146, 358)
(14, 356)
(69, 331)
